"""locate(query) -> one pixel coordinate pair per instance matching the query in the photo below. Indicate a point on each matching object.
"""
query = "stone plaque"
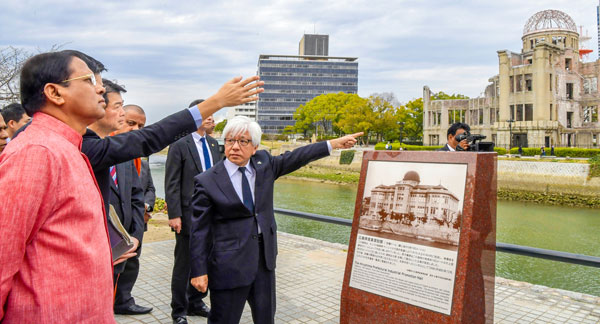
(417, 241)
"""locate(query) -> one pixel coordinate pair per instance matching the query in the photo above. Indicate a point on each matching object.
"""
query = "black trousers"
(184, 295)
(227, 305)
(126, 280)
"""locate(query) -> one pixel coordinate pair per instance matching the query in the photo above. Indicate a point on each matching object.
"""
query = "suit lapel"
(191, 144)
(259, 169)
(224, 184)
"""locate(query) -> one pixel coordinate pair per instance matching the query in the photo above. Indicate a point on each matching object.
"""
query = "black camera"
(475, 143)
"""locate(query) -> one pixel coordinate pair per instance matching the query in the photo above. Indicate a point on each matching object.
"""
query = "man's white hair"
(240, 125)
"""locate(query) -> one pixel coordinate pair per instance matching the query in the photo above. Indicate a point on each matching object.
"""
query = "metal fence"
(573, 258)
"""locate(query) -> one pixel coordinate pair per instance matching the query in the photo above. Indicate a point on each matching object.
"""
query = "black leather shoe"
(202, 311)
(180, 320)
(133, 309)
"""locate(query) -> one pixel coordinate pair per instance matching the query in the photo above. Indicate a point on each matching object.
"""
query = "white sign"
(415, 274)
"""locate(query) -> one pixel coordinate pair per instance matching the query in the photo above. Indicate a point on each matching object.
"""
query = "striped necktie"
(113, 175)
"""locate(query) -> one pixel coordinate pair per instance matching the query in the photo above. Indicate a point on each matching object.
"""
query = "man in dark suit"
(233, 234)
(455, 130)
(129, 189)
(135, 118)
(127, 196)
(187, 158)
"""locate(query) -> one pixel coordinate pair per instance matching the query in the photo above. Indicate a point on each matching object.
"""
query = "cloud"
(167, 53)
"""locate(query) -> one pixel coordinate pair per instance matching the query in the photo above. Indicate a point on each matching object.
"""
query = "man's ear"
(11, 123)
(53, 93)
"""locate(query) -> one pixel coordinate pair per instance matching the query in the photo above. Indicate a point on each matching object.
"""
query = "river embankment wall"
(533, 176)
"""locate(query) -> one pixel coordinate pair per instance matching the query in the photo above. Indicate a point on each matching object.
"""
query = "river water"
(575, 230)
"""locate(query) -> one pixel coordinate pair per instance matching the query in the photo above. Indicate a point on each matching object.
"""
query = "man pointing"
(233, 237)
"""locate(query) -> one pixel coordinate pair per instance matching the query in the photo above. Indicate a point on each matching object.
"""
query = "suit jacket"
(183, 164)
(444, 148)
(221, 240)
(128, 199)
(148, 185)
(111, 150)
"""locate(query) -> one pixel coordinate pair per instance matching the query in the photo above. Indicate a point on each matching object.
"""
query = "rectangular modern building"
(247, 109)
(293, 80)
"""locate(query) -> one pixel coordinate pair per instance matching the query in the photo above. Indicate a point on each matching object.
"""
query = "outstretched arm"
(112, 150)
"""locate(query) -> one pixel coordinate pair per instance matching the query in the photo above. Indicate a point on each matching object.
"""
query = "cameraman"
(455, 130)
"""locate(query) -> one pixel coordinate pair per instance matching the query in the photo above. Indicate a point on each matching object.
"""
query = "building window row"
(317, 92)
(284, 99)
(311, 66)
(298, 74)
(244, 110)
(521, 112)
(262, 110)
(524, 82)
(316, 83)
(275, 118)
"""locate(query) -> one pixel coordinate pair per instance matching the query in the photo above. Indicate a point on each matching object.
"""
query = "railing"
(573, 258)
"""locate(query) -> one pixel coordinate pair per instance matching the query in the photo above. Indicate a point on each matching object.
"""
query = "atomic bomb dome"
(549, 20)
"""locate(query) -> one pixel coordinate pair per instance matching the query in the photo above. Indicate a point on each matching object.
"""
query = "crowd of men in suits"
(81, 153)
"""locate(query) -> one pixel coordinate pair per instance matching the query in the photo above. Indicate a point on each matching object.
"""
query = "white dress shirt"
(197, 138)
(236, 180)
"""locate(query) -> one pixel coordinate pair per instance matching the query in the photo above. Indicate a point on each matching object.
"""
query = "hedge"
(559, 199)
(396, 146)
(160, 205)
(594, 166)
(558, 151)
(347, 156)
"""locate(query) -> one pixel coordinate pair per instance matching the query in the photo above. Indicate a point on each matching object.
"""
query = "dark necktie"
(246, 192)
(207, 164)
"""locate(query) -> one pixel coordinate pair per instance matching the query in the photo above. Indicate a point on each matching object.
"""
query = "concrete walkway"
(309, 280)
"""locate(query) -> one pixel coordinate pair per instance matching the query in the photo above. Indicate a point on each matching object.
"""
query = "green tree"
(324, 114)
(412, 119)
(385, 121)
(357, 116)
(304, 121)
(444, 96)
(220, 126)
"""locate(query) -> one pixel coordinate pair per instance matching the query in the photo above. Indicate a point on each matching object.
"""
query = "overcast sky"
(168, 53)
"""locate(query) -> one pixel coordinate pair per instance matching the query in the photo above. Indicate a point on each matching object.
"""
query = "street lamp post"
(510, 121)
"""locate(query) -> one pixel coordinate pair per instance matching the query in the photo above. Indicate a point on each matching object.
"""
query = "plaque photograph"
(408, 233)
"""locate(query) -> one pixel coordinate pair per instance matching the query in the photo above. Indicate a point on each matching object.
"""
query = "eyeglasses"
(242, 142)
(90, 77)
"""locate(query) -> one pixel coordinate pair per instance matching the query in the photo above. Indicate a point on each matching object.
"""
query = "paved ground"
(309, 280)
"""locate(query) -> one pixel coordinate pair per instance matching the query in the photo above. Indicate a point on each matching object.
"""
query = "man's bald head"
(135, 118)
(136, 108)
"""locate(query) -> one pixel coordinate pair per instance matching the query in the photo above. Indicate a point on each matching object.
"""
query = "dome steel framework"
(549, 20)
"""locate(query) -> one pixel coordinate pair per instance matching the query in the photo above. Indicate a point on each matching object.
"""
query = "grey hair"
(240, 125)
